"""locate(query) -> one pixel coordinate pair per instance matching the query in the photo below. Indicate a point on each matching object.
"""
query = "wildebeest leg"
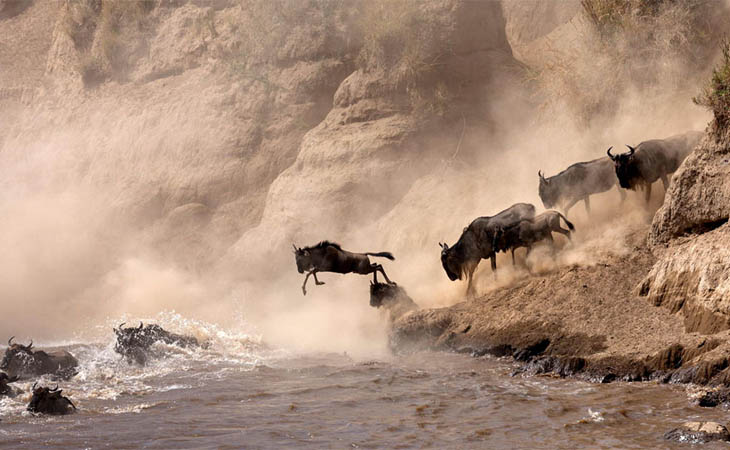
(513, 256)
(304, 286)
(493, 260)
(570, 205)
(588, 204)
(665, 182)
(376, 268)
(316, 281)
(648, 192)
(622, 192)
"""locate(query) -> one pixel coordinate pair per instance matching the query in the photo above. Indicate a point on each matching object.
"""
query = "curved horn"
(34, 385)
(608, 152)
(631, 149)
(10, 341)
(295, 246)
(140, 325)
(29, 346)
(55, 388)
(539, 174)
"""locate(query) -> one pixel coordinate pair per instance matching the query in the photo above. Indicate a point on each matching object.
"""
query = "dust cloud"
(80, 250)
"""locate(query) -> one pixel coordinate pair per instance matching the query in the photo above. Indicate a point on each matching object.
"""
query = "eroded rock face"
(691, 237)
(698, 433)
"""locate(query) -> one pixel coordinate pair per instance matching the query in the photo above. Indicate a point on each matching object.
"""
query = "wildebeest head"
(627, 170)
(16, 354)
(303, 258)
(5, 380)
(451, 262)
(548, 191)
(49, 401)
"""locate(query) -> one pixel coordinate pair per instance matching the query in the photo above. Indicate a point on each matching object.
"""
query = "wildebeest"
(652, 160)
(578, 182)
(476, 243)
(391, 297)
(526, 233)
(134, 342)
(22, 361)
(5, 389)
(50, 401)
(330, 257)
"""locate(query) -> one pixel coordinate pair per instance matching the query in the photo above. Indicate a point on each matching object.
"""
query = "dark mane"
(324, 244)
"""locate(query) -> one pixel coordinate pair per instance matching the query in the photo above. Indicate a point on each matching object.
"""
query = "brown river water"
(242, 394)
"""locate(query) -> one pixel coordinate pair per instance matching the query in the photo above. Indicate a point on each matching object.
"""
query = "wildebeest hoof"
(319, 283)
(304, 291)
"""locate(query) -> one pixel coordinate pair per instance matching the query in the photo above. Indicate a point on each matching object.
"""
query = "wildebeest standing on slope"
(22, 361)
(527, 233)
(578, 182)
(330, 257)
(476, 243)
(653, 160)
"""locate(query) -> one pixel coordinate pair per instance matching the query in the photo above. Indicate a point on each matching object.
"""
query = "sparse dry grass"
(647, 45)
(715, 96)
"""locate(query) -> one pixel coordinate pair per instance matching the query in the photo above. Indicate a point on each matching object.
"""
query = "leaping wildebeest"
(527, 233)
(578, 182)
(652, 160)
(330, 257)
(24, 362)
(476, 243)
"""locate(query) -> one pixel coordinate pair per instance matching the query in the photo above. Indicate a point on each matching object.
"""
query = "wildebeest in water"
(330, 257)
(476, 243)
(5, 389)
(50, 401)
(22, 361)
(527, 233)
(578, 182)
(652, 160)
(134, 342)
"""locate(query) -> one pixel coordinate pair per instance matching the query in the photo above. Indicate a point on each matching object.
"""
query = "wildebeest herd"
(21, 362)
(518, 226)
(515, 227)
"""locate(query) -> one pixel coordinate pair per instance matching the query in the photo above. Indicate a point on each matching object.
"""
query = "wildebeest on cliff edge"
(134, 342)
(578, 182)
(652, 160)
(23, 362)
(477, 243)
(330, 257)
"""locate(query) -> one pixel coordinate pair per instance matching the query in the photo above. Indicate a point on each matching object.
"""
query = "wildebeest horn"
(608, 152)
(539, 174)
(140, 325)
(631, 149)
(34, 385)
(10, 340)
(295, 247)
(55, 388)
(30, 345)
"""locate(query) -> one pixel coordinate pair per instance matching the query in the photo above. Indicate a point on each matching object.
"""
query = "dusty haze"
(143, 174)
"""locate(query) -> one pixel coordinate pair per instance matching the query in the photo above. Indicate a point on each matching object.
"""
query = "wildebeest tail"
(383, 255)
(567, 222)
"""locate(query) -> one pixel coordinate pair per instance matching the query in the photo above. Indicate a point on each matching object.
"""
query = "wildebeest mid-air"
(652, 160)
(578, 182)
(330, 257)
(476, 243)
(527, 233)
(22, 361)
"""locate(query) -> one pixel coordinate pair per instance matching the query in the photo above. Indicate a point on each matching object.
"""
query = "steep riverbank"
(658, 311)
